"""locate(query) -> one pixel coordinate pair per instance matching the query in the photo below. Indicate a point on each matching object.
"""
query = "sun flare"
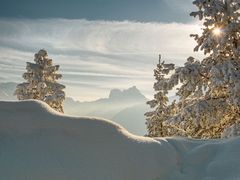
(217, 31)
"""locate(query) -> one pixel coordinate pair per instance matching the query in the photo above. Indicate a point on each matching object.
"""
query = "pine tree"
(209, 93)
(41, 84)
(156, 117)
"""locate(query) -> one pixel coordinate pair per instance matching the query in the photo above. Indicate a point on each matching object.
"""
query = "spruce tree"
(156, 117)
(41, 84)
(209, 93)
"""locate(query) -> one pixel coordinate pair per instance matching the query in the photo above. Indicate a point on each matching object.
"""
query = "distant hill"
(133, 118)
(129, 104)
(6, 91)
(106, 107)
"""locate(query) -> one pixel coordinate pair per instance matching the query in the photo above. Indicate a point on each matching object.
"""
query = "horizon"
(97, 50)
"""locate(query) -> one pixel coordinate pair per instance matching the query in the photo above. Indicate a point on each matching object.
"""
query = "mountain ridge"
(129, 103)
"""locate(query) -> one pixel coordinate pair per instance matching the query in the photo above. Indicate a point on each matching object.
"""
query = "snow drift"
(39, 143)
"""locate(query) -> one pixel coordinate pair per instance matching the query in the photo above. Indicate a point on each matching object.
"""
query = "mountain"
(133, 118)
(129, 95)
(120, 103)
(38, 143)
(106, 107)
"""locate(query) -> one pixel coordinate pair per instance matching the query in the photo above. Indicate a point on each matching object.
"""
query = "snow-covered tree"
(161, 110)
(209, 93)
(41, 84)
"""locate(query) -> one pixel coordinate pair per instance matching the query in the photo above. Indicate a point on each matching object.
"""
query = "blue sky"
(119, 10)
(100, 44)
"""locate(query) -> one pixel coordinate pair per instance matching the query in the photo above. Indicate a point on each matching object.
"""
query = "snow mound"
(39, 143)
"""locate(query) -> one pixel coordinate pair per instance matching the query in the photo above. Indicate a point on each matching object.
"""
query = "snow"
(39, 143)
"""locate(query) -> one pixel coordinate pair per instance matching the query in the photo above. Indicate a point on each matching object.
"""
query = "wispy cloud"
(94, 56)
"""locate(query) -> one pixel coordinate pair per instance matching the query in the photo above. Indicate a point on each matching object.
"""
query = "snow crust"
(39, 143)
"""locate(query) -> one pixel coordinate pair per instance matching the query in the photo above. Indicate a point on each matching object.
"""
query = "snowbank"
(37, 143)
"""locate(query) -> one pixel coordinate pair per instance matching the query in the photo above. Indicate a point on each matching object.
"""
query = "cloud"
(99, 55)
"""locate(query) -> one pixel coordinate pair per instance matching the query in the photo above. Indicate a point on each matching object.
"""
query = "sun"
(217, 31)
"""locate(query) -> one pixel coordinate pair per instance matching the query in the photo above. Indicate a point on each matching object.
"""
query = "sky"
(99, 44)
